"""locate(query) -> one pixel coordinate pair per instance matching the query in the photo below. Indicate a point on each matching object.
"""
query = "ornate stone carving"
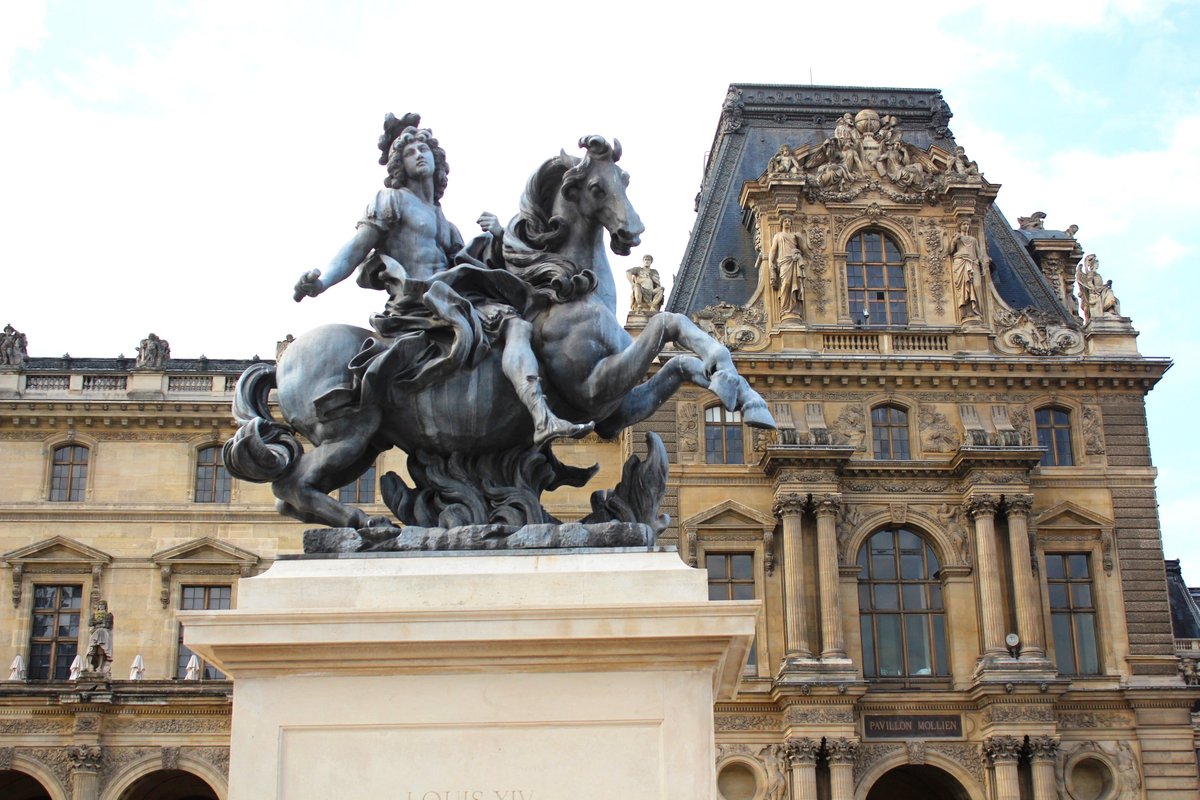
(1095, 294)
(870, 754)
(916, 751)
(818, 715)
(1018, 504)
(87, 723)
(827, 504)
(1093, 432)
(1189, 670)
(100, 639)
(783, 162)
(54, 760)
(981, 504)
(85, 757)
(841, 750)
(850, 428)
(14, 348)
(746, 722)
(1120, 754)
(170, 758)
(1000, 749)
(687, 427)
(803, 750)
(1020, 713)
(818, 261)
(18, 573)
(1034, 222)
(152, 353)
(964, 754)
(35, 725)
(789, 504)
(968, 267)
(173, 724)
(933, 240)
(6, 758)
(116, 759)
(851, 517)
(217, 756)
(281, 346)
(937, 434)
(736, 327)
(1022, 423)
(1043, 747)
(774, 758)
(954, 523)
(732, 110)
(1035, 332)
(787, 262)
(647, 297)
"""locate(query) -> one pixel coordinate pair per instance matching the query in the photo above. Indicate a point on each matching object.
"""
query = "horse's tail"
(262, 450)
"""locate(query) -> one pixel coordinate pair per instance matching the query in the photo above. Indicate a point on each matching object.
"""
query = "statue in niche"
(967, 258)
(784, 162)
(152, 353)
(1095, 294)
(484, 354)
(411, 246)
(647, 288)
(786, 261)
(14, 347)
(100, 638)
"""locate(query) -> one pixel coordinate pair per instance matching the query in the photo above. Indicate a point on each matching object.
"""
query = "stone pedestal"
(476, 677)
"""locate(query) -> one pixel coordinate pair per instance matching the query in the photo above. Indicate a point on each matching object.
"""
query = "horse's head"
(596, 187)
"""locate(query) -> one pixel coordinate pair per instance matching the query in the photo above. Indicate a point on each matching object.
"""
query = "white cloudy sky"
(174, 166)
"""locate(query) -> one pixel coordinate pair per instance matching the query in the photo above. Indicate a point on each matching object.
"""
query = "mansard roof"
(756, 119)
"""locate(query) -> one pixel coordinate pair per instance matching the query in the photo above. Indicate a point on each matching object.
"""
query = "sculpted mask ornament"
(1035, 332)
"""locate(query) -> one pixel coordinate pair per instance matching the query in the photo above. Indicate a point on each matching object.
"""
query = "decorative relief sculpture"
(736, 327)
(100, 639)
(1034, 222)
(817, 280)
(647, 296)
(968, 261)
(803, 750)
(937, 434)
(1093, 432)
(732, 110)
(783, 162)
(687, 427)
(850, 428)
(86, 757)
(14, 348)
(775, 761)
(152, 353)
(1035, 332)
(513, 339)
(786, 260)
(1003, 748)
(1095, 294)
(933, 238)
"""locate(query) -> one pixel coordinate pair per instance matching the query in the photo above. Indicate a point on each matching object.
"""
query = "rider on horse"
(446, 307)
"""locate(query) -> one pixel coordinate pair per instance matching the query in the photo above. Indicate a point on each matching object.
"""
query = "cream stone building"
(954, 532)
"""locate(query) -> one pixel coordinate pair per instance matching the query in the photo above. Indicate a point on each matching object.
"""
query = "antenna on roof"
(810, 80)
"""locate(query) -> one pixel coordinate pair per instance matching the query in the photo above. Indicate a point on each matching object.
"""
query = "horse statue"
(469, 440)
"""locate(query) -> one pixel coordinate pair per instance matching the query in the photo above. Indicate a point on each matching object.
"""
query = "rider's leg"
(521, 368)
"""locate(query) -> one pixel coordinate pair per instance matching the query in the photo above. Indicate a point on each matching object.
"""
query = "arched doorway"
(15, 785)
(169, 784)
(917, 782)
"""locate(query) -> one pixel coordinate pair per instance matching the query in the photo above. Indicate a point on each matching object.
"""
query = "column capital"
(827, 504)
(85, 757)
(981, 505)
(1018, 504)
(1001, 749)
(790, 504)
(841, 750)
(803, 751)
(1043, 747)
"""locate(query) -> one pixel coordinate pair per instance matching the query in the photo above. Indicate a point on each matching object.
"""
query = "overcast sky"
(173, 167)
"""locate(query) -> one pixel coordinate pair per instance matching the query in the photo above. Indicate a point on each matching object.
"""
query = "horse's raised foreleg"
(644, 399)
(617, 374)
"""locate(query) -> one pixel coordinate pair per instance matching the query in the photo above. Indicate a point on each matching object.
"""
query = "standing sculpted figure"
(100, 638)
(969, 257)
(13, 347)
(405, 245)
(153, 352)
(647, 288)
(786, 260)
(1096, 294)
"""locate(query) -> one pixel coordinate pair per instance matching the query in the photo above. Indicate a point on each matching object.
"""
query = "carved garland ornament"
(1035, 332)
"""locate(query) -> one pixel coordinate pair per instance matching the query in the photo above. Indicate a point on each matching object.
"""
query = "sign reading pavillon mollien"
(915, 726)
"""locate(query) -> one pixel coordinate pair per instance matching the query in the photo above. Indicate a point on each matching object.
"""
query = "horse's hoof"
(562, 430)
(726, 384)
(756, 415)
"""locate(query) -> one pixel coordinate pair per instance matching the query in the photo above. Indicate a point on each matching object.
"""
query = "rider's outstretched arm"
(353, 253)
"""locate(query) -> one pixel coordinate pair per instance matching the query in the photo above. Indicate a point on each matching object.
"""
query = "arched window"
(901, 615)
(361, 490)
(212, 479)
(1054, 436)
(889, 433)
(68, 473)
(875, 280)
(723, 436)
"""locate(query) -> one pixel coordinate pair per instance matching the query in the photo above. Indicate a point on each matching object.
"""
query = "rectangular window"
(731, 577)
(361, 491)
(1072, 613)
(201, 598)
(54, 641)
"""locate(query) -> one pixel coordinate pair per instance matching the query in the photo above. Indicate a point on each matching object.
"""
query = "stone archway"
(17, 785)
(169, 784)
(917, 782)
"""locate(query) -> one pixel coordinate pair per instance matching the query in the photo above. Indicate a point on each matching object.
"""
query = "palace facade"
(953, 533)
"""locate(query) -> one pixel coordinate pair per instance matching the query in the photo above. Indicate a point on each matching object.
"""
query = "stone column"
(1044, 750)
(1025, 586)
(802, 753)
(841, 753)
(832, 640)
(85, 771)
(1004, 752)
(790, 508)
(982, 509)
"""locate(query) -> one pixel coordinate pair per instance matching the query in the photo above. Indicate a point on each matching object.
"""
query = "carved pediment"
(867, 153)
(730, 515)
(58, 551)
(1068, 515)
(204, 556)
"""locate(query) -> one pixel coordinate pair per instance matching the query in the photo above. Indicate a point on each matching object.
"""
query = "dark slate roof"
(1185, 614)
(769, 116)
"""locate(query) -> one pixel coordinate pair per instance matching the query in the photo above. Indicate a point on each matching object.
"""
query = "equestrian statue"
(486, 352)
